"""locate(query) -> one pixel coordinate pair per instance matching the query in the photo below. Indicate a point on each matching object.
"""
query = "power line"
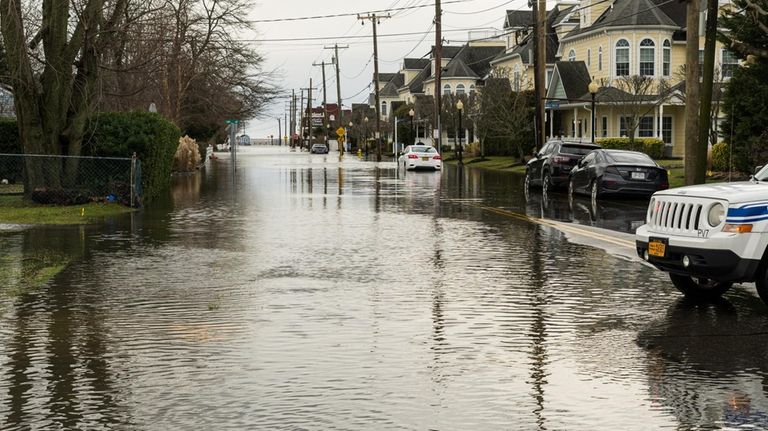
(480, 11)
(339, 15)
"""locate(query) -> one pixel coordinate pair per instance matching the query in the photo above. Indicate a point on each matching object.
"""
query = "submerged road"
(327, 294)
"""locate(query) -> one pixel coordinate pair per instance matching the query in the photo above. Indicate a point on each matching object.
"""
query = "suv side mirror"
(758, 169)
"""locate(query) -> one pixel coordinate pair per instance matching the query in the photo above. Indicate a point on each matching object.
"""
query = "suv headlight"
(716, 215)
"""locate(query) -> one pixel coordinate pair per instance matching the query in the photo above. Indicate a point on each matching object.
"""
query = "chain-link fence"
(68, 180)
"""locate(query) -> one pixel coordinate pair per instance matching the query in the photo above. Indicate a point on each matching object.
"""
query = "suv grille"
(671, 216)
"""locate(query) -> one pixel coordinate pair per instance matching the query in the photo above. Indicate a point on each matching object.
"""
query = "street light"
(365, 121)
(593, 88)
(412, 113)
(460, 107)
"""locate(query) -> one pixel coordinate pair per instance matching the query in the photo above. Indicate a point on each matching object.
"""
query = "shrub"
(652, 146)
(187, 155)
(720, 157)
(153, 138)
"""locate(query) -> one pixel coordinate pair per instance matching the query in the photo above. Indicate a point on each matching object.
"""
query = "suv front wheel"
(699, 288)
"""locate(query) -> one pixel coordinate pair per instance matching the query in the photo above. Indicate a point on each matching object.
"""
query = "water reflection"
(707, 362)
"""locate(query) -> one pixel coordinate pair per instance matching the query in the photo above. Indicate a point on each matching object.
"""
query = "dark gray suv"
(550, 167)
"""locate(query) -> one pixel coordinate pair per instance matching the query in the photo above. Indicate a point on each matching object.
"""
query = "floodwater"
(324, 295)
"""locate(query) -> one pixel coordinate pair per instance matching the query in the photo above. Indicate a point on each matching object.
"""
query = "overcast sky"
(293, 59)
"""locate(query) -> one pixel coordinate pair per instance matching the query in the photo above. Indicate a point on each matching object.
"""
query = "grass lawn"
(14, 209)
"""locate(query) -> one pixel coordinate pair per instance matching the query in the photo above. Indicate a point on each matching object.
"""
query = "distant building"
(7, 108)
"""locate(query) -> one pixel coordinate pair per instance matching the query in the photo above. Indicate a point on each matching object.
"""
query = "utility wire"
(339, 15)
(480, 11)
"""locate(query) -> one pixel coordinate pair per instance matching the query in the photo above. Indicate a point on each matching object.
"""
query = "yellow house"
(613, 42)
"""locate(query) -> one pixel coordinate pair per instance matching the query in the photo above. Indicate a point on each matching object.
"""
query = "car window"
(579, 150)
(589, 158)
(628, 158)
(423, 150)
(544, 151)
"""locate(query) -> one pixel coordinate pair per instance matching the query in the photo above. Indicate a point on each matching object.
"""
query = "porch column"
(551, 124)
(661, 122)
(656, 121)
(575, 121)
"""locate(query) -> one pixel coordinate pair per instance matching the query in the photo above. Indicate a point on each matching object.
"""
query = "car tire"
(571, 191)
(699, 288)
(527, 183)
(594, 189)
(761, 283)
(546, 183)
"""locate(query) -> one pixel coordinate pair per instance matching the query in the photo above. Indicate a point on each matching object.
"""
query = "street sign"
(552, 104)
(340, 132)
(232, 121)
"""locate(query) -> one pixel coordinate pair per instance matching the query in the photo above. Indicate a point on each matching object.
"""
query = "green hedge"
(153, 138)
(10, 143)
(720, 157)
(652, 146)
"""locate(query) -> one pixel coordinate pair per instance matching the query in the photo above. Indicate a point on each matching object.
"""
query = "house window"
(460, 89)
(645, 127)
(571, 55)
(622, 58)
(729, 63)
(472, 89)
(516, 81)
(383, 108)
(667, 60)
(600, 58)
(666, 130)
(589, 57)
(447, 89)
(647, 58)
(604, 131)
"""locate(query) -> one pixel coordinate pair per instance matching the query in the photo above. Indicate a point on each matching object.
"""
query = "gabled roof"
(518, 19)
(447, 51)
(570, 81)
(415, 63)
(526, 45)
(472, 61)
(416, 86)
(386, 77)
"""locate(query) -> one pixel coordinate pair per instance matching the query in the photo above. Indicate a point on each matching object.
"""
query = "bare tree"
(634, 97)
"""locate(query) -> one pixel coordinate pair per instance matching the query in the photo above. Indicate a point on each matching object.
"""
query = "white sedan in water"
(420, 156)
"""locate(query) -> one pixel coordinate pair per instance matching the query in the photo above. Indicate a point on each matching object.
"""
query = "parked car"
(420, 156)
(617, 173)
(550, 167)
(708, 237)
(319, 149)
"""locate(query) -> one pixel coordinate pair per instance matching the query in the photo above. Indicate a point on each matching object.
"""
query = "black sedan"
(616, 172)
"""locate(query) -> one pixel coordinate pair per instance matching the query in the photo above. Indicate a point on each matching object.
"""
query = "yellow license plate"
(425, 159)
(657, 248)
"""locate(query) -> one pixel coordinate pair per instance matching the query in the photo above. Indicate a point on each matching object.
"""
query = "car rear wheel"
(570, 188)
(699, 288)
(762, 282)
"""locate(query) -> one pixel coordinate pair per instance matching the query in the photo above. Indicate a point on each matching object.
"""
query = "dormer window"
(571, 55)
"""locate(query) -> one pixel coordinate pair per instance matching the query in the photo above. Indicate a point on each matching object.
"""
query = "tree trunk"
(705, 118)
(692, 149)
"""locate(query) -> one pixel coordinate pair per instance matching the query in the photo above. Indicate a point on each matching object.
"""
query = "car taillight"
(413, 156)
(561, 159)
(437, 157)
(612, 170)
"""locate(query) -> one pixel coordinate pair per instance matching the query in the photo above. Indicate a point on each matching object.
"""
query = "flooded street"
(319, 294)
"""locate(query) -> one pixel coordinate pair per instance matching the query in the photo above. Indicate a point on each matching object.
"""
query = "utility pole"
(279, 130)
(325, 109)
(308, 115)
(438, 74)
(301, 120)
(705, 110)
(340, 119)
(539, 66)
(375, 20)
(293, 115)
(692, 93)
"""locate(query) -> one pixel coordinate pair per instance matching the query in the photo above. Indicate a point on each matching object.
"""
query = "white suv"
(709, 236)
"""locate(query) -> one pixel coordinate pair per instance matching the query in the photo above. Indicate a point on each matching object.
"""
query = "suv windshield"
(763, 174)
(577, 149)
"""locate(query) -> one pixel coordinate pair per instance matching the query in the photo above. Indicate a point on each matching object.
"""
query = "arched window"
(383, 108)
(600, 58)
(472, 89)
(667, 60)
(622, 58)
(589, 57)
(460, 89)
(447, 89)
(647, 58)
(571, 55)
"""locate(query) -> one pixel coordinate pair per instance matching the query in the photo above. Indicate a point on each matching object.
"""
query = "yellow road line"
(561, 226)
